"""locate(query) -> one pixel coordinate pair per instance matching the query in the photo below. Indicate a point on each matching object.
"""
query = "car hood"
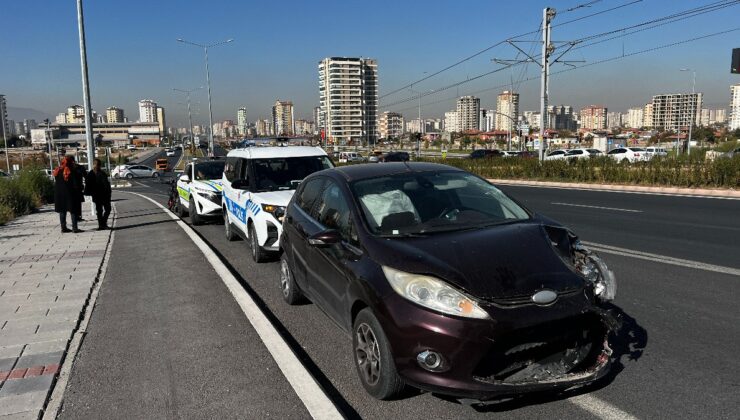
(506, 261)
(277, 198)
(214, 185)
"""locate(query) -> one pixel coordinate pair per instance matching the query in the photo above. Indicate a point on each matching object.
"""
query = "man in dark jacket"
(67, 192)
(97, 185)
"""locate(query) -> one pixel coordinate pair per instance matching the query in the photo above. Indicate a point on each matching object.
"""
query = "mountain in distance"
(20, 114)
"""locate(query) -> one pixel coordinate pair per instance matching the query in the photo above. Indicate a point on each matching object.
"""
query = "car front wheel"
(258, 254)
(291, 294)
(129, 176)
(228, 229)
(373, 358)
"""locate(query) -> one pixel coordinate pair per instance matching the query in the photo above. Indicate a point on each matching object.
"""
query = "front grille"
(522, 300)
(214, 198)
(549, 351)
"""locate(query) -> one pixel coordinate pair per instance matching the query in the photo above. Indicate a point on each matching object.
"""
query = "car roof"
(276, 152)
(372, 170)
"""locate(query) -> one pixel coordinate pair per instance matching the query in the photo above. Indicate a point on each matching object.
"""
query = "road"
(676, 353)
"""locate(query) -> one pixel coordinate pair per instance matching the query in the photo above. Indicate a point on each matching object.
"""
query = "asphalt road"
(676, 353)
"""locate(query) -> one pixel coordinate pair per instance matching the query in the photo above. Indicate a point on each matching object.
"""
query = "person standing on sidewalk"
(98, 187)
(67, 192)
(80, 174)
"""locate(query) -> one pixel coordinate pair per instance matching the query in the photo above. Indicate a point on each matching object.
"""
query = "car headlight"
(204, 191)
(433, 293)
(595, 271)
(277, 211)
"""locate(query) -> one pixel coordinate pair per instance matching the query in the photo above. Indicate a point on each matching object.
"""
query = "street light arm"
(191, 43)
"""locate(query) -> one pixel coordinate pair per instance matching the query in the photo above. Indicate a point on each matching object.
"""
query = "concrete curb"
(698, 192)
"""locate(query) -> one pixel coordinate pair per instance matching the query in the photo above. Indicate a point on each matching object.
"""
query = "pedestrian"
(67, 192)
(97, 186)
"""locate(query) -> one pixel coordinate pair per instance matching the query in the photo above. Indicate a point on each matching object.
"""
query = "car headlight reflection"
(277, 211)
(595, 271)
(433, 293)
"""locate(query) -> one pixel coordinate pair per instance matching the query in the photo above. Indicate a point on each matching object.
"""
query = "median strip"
(597, 207)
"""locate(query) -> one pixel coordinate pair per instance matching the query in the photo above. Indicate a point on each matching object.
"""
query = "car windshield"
(209, 170)
(286, 173)
(428, 202)
(637, 149)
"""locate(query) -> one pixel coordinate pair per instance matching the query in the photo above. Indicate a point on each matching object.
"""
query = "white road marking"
(608, 249)
(598, 207)
(600, 408)
(305, 386)
(143, 185)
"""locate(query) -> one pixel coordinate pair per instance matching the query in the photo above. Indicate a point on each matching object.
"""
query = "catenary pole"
(547, 15)
(85, 87)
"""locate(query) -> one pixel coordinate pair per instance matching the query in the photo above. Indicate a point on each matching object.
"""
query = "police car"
(258, 183)
(199, 189)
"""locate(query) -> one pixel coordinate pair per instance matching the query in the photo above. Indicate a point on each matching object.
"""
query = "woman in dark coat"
(67, 193)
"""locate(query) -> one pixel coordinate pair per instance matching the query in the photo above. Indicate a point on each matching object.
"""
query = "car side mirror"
(185, 178)
(325, 238)
(240, 184)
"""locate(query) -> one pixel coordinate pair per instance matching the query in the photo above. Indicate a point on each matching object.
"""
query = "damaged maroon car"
(445, 283)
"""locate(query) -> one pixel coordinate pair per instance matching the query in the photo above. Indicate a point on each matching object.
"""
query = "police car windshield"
(284, 173)
(209, 170)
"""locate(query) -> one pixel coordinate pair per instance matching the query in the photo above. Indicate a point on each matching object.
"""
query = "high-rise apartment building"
(635, 117)
(4, 117)
(61, 118)
(717, 116)
(593, 117)
(647, 116)
(468, 113)
(161, 120)
(75, 114)
(241, 121)
(348, 98)
(734, 122)
(147, 111)
(390, 125)
(613, 120)
(318, 124)
(676, 111)
(451, 124)
(304, 127)
(282, 118)
(560, 117)
(114, 114)
(507, 105)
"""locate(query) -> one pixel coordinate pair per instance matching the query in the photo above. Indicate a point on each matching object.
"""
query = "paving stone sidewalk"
(45, 281)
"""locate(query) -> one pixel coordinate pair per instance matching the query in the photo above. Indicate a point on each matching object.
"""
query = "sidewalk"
(45, 281)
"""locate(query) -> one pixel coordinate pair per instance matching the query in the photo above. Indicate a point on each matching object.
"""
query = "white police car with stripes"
(199, 189)
(258, 183)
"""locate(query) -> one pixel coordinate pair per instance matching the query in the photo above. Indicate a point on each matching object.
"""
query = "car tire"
(155, 174)
(625, 161)
(258, 254)
(195, 218)
(373, 357)
(129, 176)
(228, 228)
(179, 209)
(291, 293)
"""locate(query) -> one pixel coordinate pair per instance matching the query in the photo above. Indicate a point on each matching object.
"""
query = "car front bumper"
(520, 350)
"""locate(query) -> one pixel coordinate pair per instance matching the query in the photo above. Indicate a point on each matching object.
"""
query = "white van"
(652, 152)
(258, 183)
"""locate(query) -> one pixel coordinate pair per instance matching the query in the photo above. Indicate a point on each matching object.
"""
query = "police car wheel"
(258, 254)
(228, 229)
(195, 218)
(179, 209)
(291, 294)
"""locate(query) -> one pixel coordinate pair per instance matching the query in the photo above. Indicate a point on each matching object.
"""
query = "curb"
(695, 192)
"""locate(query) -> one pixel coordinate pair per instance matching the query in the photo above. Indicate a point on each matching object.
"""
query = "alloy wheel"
(367, 353)
(285, 278)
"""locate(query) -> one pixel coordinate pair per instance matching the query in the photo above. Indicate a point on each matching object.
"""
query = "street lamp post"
(85, 88)
(421, 124)
(693, 108)
(208, 83)
(5, 138)
(190, 117)
(51, 139)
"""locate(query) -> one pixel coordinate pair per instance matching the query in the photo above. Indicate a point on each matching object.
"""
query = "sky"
(133, 53)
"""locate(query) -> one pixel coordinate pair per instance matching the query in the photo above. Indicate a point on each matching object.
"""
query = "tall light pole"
(693, 108)
(3, 121)
(421, 123)
(190, 116)
(51, 140)
(208, 83)
(547, 15)
(85, 87)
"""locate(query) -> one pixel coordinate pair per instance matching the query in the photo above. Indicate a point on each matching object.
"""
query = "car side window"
(309, 192)
(187, 170)
(332, 211)
(230, 168)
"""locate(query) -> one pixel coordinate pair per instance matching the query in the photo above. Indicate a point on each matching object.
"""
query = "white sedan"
(170, 152)
(556, 155)
(133, 171)
(628, 154)
(583, 153)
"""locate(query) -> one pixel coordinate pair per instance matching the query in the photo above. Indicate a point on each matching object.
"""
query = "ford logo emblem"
(544, 297)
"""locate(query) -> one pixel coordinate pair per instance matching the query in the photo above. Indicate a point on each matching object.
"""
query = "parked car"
(628, 154)
(527, 154)
(133, 171)
(396, 157)
(556, 155)
(3, 174)
(131, 147)
(652, 152)
(485, 154)
(257, 183)
(169, 152)
(583, 153)
(375, 156)
(429, 269)
(200, 188)
(350, 157)
(731, 153)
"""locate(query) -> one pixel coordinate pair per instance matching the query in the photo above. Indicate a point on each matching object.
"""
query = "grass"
(23, 193)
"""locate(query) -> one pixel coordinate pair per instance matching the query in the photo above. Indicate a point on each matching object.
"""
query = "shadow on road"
(143, 224)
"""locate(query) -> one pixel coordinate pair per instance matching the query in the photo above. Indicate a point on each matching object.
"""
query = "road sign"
(537, 143)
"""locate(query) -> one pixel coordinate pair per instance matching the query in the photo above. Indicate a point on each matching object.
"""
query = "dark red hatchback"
(445, 283)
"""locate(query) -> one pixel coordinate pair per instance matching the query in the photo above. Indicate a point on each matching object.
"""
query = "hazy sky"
(133, 54)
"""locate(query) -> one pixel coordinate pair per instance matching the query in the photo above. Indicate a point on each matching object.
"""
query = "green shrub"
(23, 193)
(12, 196)
(40, 186)
(6, 214)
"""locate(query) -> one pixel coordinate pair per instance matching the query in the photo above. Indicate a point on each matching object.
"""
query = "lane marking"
(597, 207)
(600, 408)
(616, 191)
(608, 249)
(305, 386)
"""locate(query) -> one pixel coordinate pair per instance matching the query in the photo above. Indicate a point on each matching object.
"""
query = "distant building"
(560, 117)
(635, 117)
(304, 128)
(468, 113)
(161, 120)
(75, 114)
(282, 118)
(116, 134)
(5, 128)
(734, 122)
(114, 114)
(451, 122)
(61, 118)
(647, 116)
(100, 118)
(532, 118)
(593, 117)
(676, 111)
(241, 121)
(318, 124)
(613, 120)
(9, 127)
(147, 111)
(390, 125)
(507, 105)
(717, 116)
(348, 98)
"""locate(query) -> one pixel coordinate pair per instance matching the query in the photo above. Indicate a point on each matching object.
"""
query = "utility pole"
(694, 101)
(85, 88)
(547, 15)
(3, 121)
(51, 140)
